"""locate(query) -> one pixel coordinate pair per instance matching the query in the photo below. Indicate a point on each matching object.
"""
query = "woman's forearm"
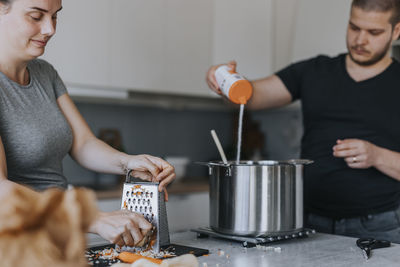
(98, 156)
(6, 186)
(93, 228)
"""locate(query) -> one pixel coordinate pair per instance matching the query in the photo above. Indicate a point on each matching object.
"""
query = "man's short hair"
(381, 6)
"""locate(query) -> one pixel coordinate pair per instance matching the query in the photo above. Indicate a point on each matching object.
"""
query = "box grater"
(144, 198)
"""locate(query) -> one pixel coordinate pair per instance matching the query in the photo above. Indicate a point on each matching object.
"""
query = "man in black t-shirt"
(351, 116)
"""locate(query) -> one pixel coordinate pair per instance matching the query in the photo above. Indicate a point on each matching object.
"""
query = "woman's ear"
(4, 8)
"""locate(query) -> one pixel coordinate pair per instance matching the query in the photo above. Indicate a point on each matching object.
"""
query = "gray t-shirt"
(34, 131)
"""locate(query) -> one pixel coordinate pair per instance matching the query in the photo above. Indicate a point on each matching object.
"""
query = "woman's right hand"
(152, 169)
(210, 77)
(122, 227)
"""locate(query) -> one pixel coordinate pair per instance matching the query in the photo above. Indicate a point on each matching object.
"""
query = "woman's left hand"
(121, 227)
(358, 154)
(152, 169)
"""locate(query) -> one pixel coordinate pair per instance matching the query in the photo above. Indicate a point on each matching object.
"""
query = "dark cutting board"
(177, 249)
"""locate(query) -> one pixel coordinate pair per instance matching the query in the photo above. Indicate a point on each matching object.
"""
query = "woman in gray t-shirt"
(39, 123)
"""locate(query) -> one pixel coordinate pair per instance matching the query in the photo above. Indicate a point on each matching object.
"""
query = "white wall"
(320, 28)
(283, 31)
(242, 31)
(306, 28)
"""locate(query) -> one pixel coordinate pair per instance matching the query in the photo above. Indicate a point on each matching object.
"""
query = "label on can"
(225, 78)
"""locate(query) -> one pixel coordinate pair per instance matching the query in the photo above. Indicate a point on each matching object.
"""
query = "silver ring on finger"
(354, 159)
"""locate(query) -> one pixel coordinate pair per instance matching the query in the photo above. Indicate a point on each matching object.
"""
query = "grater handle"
(128, 176)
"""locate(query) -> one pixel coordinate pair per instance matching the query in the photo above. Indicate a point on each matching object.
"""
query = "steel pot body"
(263, 198)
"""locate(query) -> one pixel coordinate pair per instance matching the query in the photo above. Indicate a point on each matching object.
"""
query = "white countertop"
(315, 250)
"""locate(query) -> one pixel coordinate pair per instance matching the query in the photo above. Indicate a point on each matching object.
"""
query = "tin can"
(233, 85)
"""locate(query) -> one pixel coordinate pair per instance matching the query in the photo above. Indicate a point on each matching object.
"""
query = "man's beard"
(376, 58)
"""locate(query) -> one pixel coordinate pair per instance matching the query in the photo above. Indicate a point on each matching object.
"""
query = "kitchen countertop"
(178, 187)
(315, 250)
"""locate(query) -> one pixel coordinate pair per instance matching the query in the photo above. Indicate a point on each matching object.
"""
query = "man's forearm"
(269, 92)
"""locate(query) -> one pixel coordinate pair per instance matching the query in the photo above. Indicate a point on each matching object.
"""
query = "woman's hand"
(121, 227)
(358, 154)
(210, 76)
(152, 169)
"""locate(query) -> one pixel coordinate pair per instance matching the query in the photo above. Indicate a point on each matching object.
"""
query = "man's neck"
(360, 73)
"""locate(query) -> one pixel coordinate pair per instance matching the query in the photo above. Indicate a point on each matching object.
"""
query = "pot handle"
(205, 164)
(202, 163)
(300, 161)
(211, 164)
(128, 176)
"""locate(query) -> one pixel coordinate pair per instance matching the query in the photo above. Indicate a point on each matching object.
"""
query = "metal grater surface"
(144, 198)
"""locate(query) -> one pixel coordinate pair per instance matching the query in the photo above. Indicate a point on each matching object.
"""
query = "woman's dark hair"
(6, 4)
(381, 6)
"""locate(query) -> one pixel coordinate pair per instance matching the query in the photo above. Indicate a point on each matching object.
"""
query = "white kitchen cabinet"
(159, 46)
(162, 46)
(320, 28)
(188, 47)
(137, 42)
(243, 31)
(306, 28)
(284, 27)
(80, 50)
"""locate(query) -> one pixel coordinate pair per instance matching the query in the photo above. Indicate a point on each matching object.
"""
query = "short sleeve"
(293, 76)
(58, 85)
(47, 73)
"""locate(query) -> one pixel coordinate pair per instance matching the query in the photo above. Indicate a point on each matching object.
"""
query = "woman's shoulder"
(41, 64)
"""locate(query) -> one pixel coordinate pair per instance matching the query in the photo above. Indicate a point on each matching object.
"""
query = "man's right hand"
(268, 92)
(210, 77)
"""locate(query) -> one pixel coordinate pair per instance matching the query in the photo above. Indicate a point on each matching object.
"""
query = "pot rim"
(259, 163)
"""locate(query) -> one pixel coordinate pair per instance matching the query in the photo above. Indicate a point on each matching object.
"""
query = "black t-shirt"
(337, 107)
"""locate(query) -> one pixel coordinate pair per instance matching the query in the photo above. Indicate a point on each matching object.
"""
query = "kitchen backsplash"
(186, 133)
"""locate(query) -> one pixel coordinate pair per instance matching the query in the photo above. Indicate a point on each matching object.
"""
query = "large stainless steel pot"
(263, 198)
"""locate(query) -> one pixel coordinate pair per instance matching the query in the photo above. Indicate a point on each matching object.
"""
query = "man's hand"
(358, 154)
(121, 227)
(210, 76)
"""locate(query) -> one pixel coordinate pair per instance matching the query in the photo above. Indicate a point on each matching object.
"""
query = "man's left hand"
(358, 154)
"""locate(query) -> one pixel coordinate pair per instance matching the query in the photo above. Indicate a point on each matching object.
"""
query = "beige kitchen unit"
(166, 46)
(158, 46)
(161, 46)
(243, 31)
(80, 50)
